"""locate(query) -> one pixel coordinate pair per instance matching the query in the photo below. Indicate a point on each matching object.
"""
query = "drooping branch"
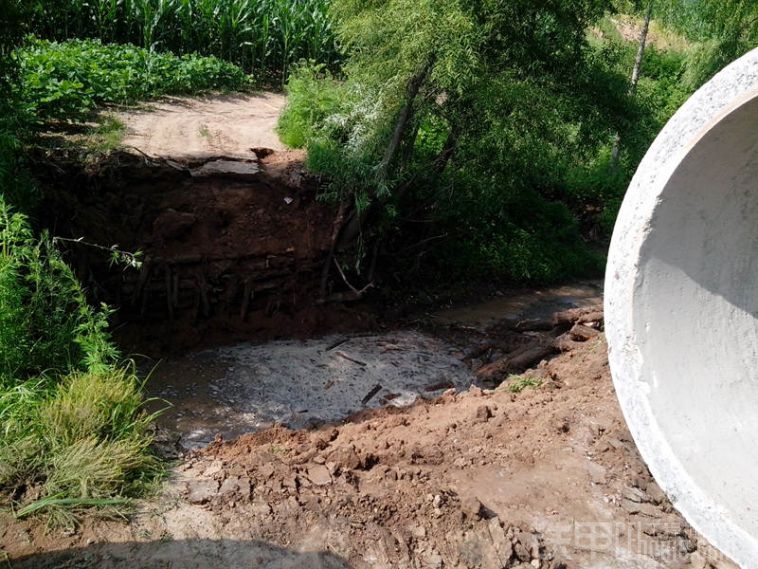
(403, 122)
(637, 69)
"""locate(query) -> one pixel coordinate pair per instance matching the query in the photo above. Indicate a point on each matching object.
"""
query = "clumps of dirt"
(547, 478)
(383, 503)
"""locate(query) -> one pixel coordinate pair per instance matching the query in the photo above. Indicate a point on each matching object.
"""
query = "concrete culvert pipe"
(681, 301)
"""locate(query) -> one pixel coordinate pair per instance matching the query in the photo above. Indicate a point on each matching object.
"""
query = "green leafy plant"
(265, 36)
(73, 421)
(518, 383)
(68, 80)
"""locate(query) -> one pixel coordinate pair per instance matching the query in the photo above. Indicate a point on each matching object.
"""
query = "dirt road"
(197, 127)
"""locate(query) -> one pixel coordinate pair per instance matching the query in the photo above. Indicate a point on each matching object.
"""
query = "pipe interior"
(696, 318)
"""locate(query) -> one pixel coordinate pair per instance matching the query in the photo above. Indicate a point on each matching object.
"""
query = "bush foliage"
(478, 139)
(67, 80)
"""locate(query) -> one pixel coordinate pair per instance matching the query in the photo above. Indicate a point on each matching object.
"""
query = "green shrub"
(313, 95)
(67, 80)
(47, 323)
(71, 422)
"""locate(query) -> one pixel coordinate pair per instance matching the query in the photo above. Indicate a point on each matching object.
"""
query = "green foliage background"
(263, 36)
(530, 95)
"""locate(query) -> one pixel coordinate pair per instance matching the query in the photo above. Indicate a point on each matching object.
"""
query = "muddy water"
(524, 305)
(230, 391)
(234, 390)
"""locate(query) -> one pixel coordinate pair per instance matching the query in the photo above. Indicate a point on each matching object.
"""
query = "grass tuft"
(82, 442)
(518, 383)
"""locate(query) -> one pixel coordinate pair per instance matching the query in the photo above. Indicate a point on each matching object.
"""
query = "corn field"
(262, 36)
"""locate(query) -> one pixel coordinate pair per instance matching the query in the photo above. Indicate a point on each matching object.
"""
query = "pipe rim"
(726, 92)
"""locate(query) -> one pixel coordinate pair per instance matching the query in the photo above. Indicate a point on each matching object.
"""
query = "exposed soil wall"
(231, 247)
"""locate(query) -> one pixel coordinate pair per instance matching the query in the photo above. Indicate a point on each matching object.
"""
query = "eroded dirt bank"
(232, 248)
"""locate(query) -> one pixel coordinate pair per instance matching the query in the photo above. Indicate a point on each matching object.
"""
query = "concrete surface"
(681, 306)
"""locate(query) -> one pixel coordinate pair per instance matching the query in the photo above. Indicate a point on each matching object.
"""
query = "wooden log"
(246, 294)
(169, 294)
(516, 362)
(582, 333)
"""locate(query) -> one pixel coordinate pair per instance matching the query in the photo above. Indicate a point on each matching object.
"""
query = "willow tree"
(423, 77)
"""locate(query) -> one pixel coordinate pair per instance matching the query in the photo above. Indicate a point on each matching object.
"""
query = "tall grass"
(73, 429)
(72, 441)
(259, 35)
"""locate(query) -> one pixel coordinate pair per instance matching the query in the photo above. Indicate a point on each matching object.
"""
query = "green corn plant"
(266, 36)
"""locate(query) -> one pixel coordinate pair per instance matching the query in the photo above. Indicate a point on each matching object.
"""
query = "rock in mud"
(483, 414)
(201, 491)
(500, 541)
(473, 508)
(319, 475)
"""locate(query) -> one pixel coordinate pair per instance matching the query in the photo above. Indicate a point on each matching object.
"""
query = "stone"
(500, 541)
(229, 486)
(346, 458)
(201, 491)
(630, 507)
(483, 414)
(472, 508)
(261, 507)
(635, 495)
(319, 475)
(598, 473)
(419, 532)
(656, 494)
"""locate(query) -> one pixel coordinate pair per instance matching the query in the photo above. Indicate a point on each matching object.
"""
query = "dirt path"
(218, 125)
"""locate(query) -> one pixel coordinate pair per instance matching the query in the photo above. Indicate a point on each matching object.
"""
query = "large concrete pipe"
(681, 300)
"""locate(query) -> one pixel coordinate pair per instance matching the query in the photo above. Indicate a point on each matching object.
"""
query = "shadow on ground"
(181, 554)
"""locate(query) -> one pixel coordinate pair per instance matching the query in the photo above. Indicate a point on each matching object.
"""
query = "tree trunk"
(636, 71)
(404, 118)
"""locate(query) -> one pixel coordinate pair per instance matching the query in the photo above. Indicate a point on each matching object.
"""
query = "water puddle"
(235, 390)
(239, 389)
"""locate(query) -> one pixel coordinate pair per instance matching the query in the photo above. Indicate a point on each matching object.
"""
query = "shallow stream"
(248, 387)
